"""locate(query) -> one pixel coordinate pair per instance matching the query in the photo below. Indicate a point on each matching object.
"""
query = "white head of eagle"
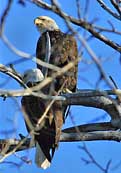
(45, 23)
(33, 75)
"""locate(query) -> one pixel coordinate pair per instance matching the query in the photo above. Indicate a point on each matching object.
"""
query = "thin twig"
(93, 160)
(4, 15)
(106, 8)
(116, 6)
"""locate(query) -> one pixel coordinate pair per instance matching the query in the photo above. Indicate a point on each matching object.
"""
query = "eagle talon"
(68, 91)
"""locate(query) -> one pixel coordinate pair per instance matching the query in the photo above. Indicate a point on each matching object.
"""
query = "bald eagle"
(63, 49)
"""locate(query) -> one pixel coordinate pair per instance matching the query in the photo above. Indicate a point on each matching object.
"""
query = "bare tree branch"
(116, 6)
(92, 160)
(106, 8)
(107, 126)
(4, 15)
(14, 145)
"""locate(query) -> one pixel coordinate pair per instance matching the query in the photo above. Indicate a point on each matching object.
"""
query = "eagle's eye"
(43, 19)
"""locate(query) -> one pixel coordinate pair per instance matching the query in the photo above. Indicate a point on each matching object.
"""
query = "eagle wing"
(63, 51)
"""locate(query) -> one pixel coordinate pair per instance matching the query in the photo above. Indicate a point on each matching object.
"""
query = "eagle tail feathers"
(40, 158)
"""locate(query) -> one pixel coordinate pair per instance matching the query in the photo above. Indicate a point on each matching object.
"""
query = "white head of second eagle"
(33, 75)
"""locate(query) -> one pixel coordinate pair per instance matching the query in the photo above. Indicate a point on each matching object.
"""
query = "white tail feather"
(40, 158)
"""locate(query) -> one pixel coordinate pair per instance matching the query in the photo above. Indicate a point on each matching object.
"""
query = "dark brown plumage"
(63, 51)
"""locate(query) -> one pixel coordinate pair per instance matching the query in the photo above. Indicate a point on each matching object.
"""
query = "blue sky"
(21, 32)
